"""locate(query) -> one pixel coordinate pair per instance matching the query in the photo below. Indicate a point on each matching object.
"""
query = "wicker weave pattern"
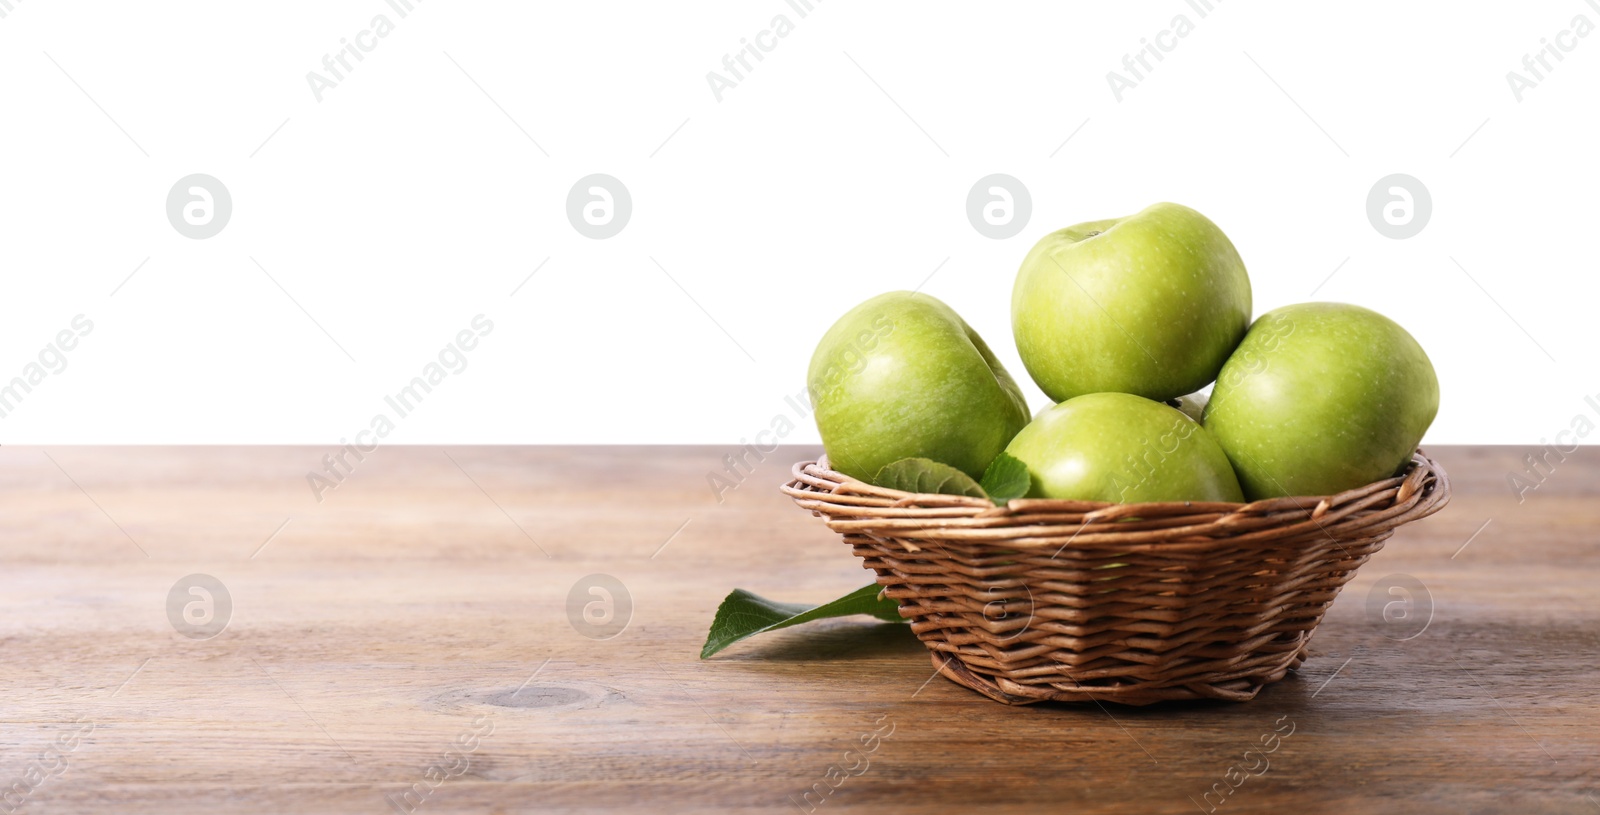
(1133, 603)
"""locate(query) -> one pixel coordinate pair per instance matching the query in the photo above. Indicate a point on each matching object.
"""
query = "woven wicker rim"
(852, 505)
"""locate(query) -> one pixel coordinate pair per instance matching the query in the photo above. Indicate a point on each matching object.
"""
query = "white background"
(406, 200)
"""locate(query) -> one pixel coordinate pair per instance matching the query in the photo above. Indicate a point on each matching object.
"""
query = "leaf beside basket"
(744, 614)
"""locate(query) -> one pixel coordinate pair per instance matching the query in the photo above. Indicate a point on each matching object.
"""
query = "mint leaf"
(926, 476)
(1006, 478)
(743, 614)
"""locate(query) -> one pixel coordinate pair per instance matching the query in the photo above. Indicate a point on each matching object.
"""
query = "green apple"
(1320, 398)
(1150, 304)
(903, 376)
(1193, 405)
(1122, 448)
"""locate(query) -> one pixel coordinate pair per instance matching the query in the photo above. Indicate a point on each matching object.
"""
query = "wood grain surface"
(412, 633)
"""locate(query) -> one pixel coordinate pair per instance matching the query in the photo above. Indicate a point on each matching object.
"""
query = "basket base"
(1011, 693)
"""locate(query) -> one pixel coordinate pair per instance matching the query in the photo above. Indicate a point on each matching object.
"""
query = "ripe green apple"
(1122, 448)
(1320, 398)
(903, 376)
(1150, 304)
(1193, 405)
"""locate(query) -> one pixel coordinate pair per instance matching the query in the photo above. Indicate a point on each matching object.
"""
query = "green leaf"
(927, 476)
(1006, 478)
(744, 614)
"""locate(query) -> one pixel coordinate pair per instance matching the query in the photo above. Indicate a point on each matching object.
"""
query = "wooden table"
(411, 633)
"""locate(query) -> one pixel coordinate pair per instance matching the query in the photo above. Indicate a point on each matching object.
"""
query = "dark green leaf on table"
(744, 614)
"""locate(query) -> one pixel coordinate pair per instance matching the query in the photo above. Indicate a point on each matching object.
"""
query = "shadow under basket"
(1077, 601)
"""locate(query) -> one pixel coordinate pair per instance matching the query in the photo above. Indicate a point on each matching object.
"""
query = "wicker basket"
(1046, 600)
